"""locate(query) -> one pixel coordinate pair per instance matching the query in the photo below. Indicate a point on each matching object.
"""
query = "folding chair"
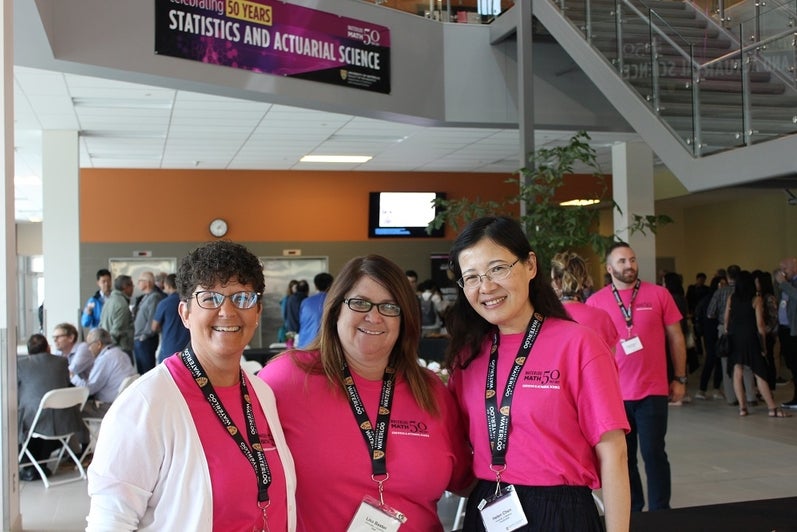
(59, 398)
(93, 423)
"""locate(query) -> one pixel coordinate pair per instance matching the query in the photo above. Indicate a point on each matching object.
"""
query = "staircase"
(690, 71)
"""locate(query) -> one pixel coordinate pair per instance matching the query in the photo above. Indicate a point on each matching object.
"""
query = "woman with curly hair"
(195, 444)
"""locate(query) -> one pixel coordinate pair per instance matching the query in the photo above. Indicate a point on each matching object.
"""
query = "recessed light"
(579, 202)
(335, 158)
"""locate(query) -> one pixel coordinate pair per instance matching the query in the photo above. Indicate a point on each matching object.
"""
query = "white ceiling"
(126, 125)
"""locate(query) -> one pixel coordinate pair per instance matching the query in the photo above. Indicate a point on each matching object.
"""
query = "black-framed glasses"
(209, 299)
(390, 310)
(496, 273)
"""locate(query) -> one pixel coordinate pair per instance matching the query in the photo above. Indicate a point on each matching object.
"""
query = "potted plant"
(550, 226)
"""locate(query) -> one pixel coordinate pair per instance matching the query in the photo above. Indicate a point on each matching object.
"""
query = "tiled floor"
(716, 457)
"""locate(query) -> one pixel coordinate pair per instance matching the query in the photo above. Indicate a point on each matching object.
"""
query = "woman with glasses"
(195, 444)
(540, 393)
(376, 438)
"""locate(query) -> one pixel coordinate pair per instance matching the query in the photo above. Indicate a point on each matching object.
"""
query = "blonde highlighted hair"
(570, 275)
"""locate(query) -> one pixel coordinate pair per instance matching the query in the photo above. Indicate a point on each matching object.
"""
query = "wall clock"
(218, 227)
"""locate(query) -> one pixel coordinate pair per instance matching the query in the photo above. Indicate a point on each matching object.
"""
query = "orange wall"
(274, 206)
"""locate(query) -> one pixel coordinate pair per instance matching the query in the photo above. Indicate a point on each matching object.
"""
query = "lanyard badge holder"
(502, 511)
(373, 515)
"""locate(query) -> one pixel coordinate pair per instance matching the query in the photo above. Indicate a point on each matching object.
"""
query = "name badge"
(631, 345)
(373, 516)
(502, 512)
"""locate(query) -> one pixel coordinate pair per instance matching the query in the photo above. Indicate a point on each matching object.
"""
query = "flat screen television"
(402, 214)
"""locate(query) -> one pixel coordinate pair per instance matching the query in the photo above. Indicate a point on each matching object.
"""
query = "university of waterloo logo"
(344, 74)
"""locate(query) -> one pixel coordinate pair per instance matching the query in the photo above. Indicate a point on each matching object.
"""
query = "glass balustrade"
(715, 88)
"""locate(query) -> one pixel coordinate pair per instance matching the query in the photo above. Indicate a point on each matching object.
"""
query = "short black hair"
(613, 247)
(322, 282)
(102, 272)
(37, 343)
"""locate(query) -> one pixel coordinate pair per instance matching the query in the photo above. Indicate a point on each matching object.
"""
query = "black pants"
(788, 350)
(547, 508)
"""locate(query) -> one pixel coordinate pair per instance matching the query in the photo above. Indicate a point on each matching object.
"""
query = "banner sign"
(276, 38)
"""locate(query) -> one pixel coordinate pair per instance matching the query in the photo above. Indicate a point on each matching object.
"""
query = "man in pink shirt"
(646, 319)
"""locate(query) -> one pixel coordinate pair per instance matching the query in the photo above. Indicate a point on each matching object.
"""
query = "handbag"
(723, 348)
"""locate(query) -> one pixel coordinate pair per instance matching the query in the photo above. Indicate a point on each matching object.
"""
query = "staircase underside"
(721, 119)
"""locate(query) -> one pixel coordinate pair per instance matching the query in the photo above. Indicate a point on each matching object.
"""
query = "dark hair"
(102, 272)
(69, 329)
(411, 273)
(302, 287)
(291, 285)
(733, 272)
(674, 283)
(322, 281)
(744, 290)
(170, 280)
(614, 246)
(700, 275)
(37, 343)
(764, 281)
(219, 262)
(404, 357)
(466, 327)
(122, 281)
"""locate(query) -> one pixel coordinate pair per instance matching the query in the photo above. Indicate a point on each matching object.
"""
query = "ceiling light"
(579, 202)
(335, 158)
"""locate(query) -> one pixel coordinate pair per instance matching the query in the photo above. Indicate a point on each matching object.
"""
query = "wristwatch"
(682, 380)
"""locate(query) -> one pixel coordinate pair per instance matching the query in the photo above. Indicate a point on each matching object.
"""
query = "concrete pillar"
(61, 228)
(632, 185)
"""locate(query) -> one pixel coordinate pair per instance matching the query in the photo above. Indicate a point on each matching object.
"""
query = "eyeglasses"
(496, 273)
(209, 299)
(390, 310)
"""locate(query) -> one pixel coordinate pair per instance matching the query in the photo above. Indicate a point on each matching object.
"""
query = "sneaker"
(701, 396)
(790, 404)
(717, 395)
(680, 403)
(687, 398)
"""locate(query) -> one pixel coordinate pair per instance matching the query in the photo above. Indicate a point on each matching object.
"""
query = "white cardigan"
(149, 433)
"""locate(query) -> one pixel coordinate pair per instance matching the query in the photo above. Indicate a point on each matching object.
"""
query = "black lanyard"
(629, 322)
(258, 458)
(375, 438)
(498, 418)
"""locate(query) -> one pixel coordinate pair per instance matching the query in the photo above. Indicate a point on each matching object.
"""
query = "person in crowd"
(649, 323)
(174, 335)
(78, 354)
(786, 279)
(569, 277)
(359, 389)
(765, 289)
(716, 310)
(744, 319)
(116, 317)
(146, 340)
(509, 330)
(93, 309)
(310, 310)
(202, 443)
(412, 277)
(294, 305)
(673, 282)
(433, 307)
(694, 294)
(37, 374)
(711, 363)
(281, 333)
(111, 366)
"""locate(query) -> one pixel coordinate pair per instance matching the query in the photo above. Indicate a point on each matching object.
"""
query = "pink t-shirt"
(594, 318)
(425, 454)
(644, 372)
(232, 477)
(566, 398)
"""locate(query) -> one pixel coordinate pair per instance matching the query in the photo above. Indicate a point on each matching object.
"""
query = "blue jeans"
(145, 353)
(648, 420)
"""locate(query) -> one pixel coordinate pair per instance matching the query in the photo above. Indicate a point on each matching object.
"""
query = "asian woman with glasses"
(195, 444)
(376, 438)
(539, 392)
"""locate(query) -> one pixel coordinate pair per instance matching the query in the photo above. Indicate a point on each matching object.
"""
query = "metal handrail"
(746, 48)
